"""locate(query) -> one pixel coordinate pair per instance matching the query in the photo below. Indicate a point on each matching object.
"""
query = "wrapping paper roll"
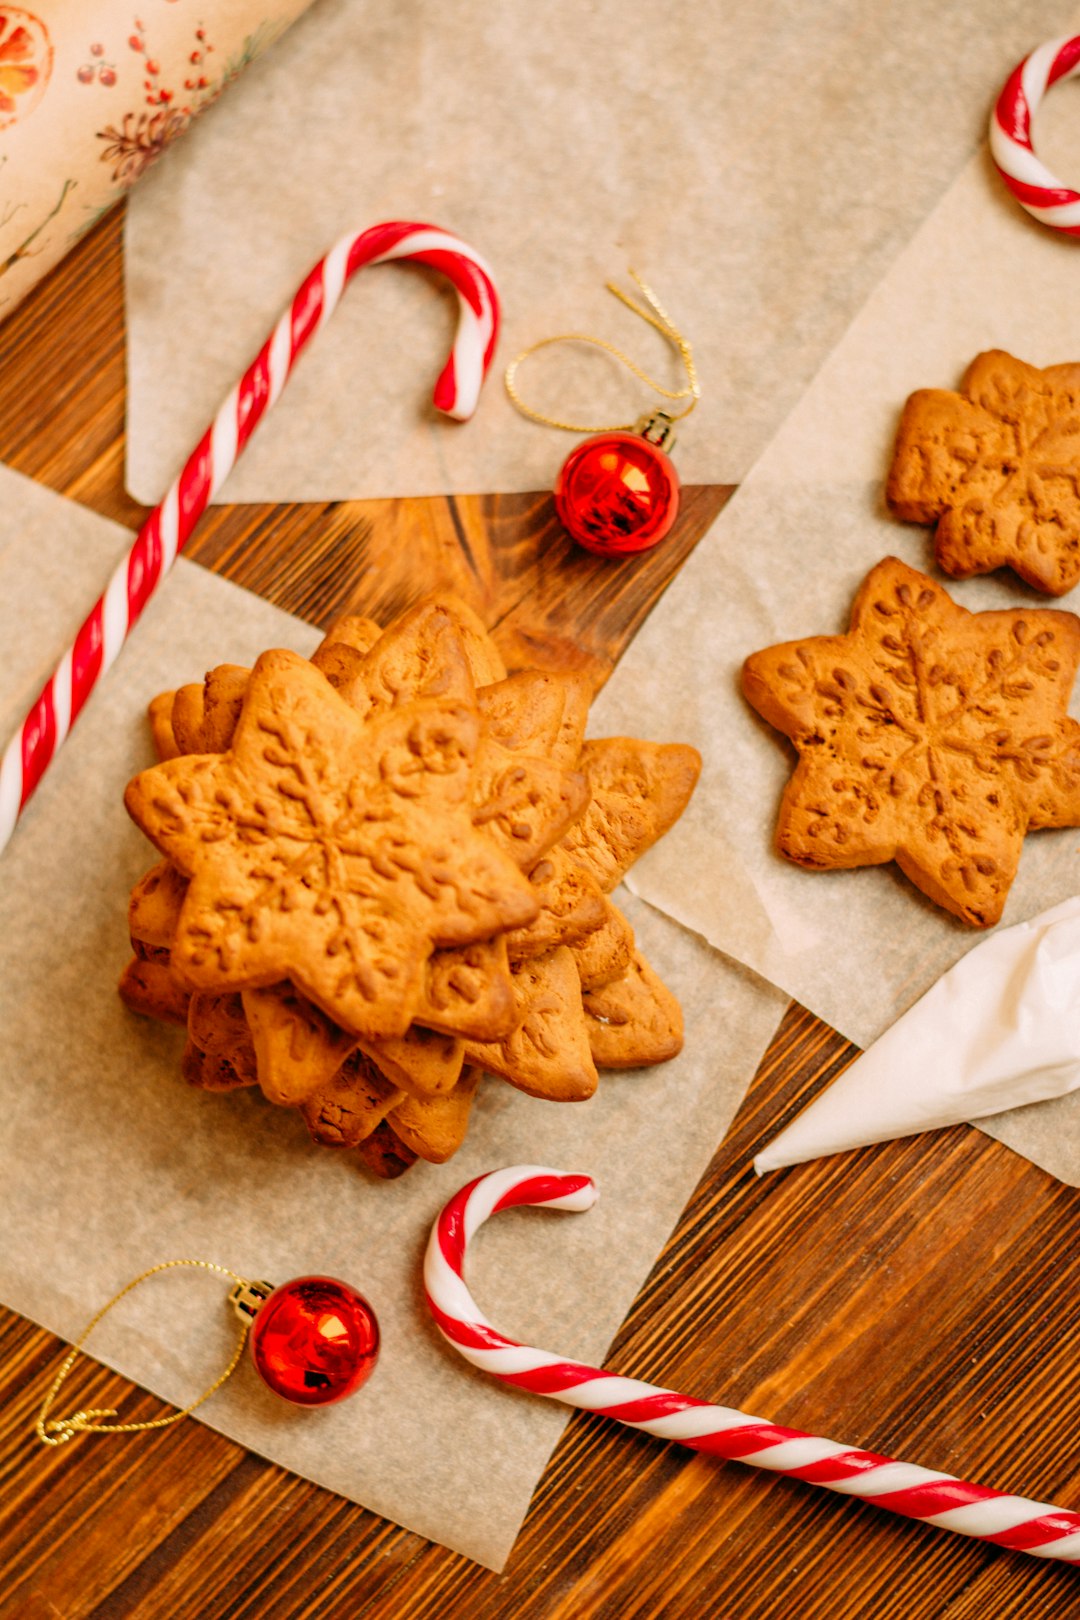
(91, 93)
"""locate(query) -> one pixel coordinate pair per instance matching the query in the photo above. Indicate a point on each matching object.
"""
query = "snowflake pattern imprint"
(928, 736)
(997, 468)
(329, 850)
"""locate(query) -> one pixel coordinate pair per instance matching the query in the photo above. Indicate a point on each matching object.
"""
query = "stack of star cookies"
(386, 872)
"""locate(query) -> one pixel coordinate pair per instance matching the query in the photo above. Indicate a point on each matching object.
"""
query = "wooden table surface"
(919, 1298)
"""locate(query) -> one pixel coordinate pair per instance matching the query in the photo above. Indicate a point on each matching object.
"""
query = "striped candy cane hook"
(169, 526)
(1046, 199)
(719, 1431)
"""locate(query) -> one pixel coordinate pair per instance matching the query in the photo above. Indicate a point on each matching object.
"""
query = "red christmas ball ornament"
(314, 1340)
(618, 493)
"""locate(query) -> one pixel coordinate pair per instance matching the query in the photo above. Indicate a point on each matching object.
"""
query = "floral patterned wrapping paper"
(91, 92)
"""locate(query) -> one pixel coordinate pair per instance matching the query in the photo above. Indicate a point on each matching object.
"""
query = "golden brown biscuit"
(351, 630)
(204, 718)
(217, 1026)
(342, 665)
(469, 991)
(434, 1127)
(638, 790)
(421, 654)
(607, 953)
(485, 659)
(523, 803)
(385, 1154)
(297, 1048)
(928, 736)
(154, 907)
(537, 713)
(340, 654)
(224, 690)
(347, 1107)
(997, 468)
(633, 1021)
(548, 1053)
(186, 718)
(572, 905)
(332, 851)
(422, 1063)
(161, 727)
(149, 989)
(208, 1071)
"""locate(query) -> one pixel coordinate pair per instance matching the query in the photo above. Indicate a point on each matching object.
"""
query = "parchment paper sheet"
(760, 162)
(109, 1163)
(784, 560)
(91, 95)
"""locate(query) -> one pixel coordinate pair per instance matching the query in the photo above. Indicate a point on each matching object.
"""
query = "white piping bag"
(1000, 1029)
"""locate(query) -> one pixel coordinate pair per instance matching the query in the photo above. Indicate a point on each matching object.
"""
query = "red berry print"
(85, 75)
(107, 76)
(135, 42)
(97, 50)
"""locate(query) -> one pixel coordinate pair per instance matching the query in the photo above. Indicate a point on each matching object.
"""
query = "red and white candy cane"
(1029, 180)
(919, 1493)
(169, 526)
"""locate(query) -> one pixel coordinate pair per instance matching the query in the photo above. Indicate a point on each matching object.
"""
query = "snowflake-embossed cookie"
(329, 850)
(547, 1055)
(634, 1020)
(928, 736)
(346, 1109)
(433, 1128)
(297, 1048)
(997, 468)
(637, 791)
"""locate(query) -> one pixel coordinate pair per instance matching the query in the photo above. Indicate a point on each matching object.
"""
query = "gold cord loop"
(57, 1431)
(657, 317)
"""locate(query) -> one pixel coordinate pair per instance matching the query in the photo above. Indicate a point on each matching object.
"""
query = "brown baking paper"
(784, 561)
(92, 92)
(111, 1163)
(760, 162)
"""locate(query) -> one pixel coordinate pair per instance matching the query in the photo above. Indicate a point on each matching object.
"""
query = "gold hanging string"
(56, 1431)
(657, 317)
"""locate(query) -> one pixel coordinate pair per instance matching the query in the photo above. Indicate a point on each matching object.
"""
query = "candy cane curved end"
(935, 1498)
(457, 1315)
(1045, 197)
(457, 389)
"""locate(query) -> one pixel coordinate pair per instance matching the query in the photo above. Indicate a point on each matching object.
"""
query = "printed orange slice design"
(26, 58)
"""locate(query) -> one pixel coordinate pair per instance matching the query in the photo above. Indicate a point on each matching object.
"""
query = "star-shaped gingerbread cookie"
(928, 736)
(997, 468)
(330, 850)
